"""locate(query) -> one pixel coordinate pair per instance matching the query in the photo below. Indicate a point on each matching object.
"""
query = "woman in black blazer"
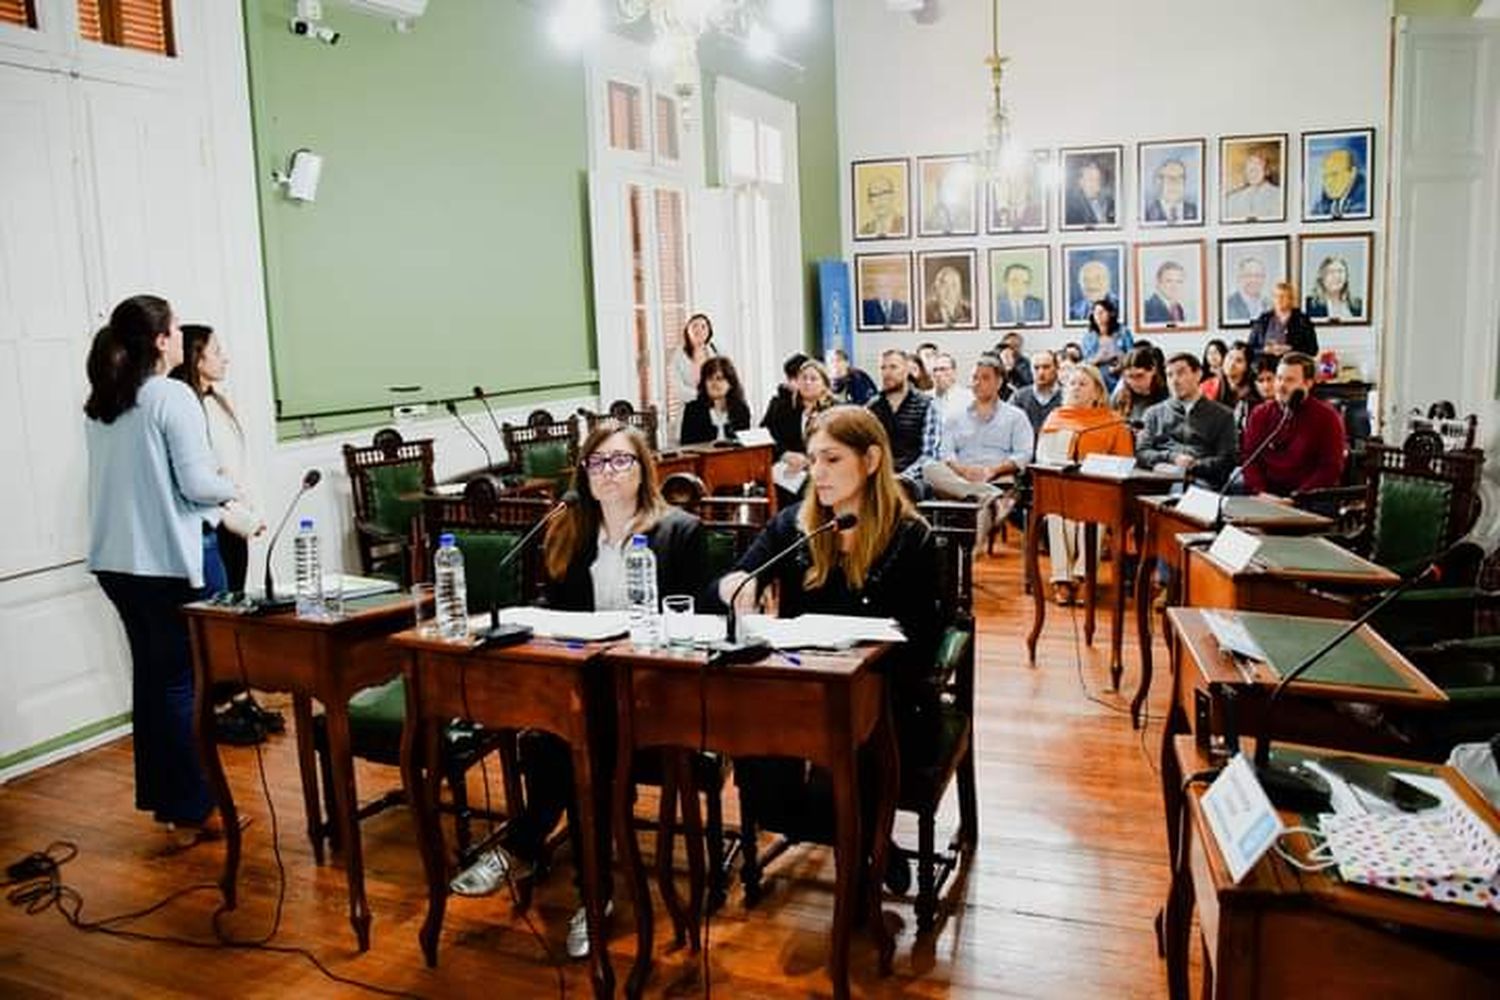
(1284, 328)
(719, 412)
(584, 563)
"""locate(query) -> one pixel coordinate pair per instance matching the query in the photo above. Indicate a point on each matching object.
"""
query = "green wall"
(1437, 8)
(448, 245)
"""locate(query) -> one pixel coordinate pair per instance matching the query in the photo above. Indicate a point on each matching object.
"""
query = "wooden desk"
(1282, 584)
(1285, 933)
(823, 710)
(311, 658)
(541, 684)
(722, 467)
(1162, 522)
(1093, 500)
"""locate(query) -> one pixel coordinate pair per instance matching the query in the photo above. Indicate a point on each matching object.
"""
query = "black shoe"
(235, 727)
(268, 719)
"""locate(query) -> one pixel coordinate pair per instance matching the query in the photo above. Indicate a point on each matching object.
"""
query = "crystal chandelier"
(997, 160)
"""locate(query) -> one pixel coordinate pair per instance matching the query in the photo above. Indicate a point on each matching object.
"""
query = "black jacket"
(784, 420)
(1301, 335)
(698, 425)
(681, 564)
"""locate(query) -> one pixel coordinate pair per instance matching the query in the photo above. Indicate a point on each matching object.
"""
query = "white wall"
(1103, 71)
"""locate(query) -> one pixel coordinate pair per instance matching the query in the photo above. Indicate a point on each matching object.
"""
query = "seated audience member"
(850, 384)
(947, 395)
(719, 412)
(1010, 371)
(1308, 452)
(872, 569)
(1284, 327)
(1071, 353)
(927, 353)
(1142, 384)
(1084, 425)
(782, 418)
(1188, 431)
(911, 422)
(1043, 395)
(918, 374)
(1108, 341)
(1235, 387)
(1020, 373)
(1265, 375)
(981, 443)
(584, 563)
(1213, 361)
(814, 392)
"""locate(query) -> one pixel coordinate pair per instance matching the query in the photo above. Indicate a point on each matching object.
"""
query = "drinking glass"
(424, 609)
(677, 620)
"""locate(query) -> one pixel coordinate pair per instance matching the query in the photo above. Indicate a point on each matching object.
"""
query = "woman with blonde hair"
(1084, 425)
(882, 566)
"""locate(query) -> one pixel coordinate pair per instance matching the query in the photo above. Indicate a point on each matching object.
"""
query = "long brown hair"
(124, 354)
(195, 338)
(882, 506)
(571, 534)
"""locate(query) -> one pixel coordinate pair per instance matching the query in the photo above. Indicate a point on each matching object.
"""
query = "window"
(131, 24)
(625, 117)
(666, 129)
(20, 12)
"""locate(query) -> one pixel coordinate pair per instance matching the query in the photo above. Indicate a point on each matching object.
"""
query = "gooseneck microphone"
(1073, 464)
(507, 635)
(452, 408)
(484, 398)
(269, 601)
(1294, 401)
(732, 650)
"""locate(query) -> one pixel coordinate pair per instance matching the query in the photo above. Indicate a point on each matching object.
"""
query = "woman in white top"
(687, 364)
(153, 485)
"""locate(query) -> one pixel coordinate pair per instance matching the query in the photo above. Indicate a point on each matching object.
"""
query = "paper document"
(586, 626)
(788, 480)
(820, 631)
(1240, 817)
(1232, 636)
(354, 587)
(752, 437)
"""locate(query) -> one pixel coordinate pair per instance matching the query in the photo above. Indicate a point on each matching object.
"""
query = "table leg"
(421, 774)
(1034, 578)
(1090, 578)
(888, 790)
(692, 842)
(666, 838)
(307, 766)
(1178, 923)
(595, 869)
(1123, 579)
(848, 858)
(346, 799)
(206, 731)
(626, 841)
(1143, 575)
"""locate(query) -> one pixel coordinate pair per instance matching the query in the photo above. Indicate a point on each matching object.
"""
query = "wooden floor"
(1070, 871)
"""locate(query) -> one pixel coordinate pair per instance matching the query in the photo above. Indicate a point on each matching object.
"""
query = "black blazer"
(784, 420)
(681, 564)
(698, 425)
(1301, 335)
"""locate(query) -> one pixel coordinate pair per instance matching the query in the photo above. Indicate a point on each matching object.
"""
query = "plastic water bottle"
(449, 591)
(640, 594)
(309, 570)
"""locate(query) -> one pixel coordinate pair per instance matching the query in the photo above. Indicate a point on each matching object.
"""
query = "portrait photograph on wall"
(1338, 175)
(1248, 272)
(881, 191)
(1091, 181)
(1252, 178)
(1019, 282)
(948, 284)
(1336, 278)
(947, 196)
(1170, 177)
(883, 284)
(1092, 272)
(1018, 200)
(1169, 287)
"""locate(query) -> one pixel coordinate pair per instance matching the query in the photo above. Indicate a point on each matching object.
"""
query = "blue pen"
(791, 658)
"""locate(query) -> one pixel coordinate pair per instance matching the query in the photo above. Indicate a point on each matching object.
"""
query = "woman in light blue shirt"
(153, 484)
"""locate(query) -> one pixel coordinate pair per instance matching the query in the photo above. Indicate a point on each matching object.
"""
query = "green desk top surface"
(1355, 661)
(1310, 555)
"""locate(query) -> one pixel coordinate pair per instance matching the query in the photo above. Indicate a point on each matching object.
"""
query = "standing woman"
(153, 485)
(1082, 426)
(1107, 342)
(719, 412)
(1283, 327)
(697, 347)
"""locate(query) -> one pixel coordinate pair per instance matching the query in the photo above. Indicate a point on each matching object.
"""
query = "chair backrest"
(486, 527)
(955, 527)
(386, 479)
(645, 419)
(730, 523)
(542, 448)
(1419, 498)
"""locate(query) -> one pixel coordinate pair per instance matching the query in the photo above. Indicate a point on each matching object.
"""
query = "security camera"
(326, 34)
(304, 28)
(301, 26)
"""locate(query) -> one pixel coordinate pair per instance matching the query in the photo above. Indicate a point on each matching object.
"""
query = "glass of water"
(677, 620)
(424, 609)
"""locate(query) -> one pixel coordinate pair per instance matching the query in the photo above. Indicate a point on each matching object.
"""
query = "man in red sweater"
(1308, 452)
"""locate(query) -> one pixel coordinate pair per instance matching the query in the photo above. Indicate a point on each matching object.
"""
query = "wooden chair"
(645, 419)
(387, 479)
(542, 449)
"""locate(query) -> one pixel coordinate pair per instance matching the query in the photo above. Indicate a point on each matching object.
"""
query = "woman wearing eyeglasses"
(584, 564)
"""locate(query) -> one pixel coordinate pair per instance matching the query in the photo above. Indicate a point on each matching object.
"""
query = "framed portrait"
(1018, 201)
(1170, 179)
(948, 196)
(1092, 185)
(1252, 178)
(1090, 273)
(1336, 278)
(882, 281)
(1248, 272)
(1169, 287)
(948, 287)
(1019, 281)
(881, 191)
(1338, 175)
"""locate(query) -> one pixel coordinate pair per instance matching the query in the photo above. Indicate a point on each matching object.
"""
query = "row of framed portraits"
(1084, 187)
(1166, 287)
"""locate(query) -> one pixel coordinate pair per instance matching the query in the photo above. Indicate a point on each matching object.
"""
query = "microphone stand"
(510, 634)
(480, 395)
(269, 601)
(489, 460)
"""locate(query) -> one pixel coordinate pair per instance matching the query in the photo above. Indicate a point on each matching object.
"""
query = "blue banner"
(835, 307)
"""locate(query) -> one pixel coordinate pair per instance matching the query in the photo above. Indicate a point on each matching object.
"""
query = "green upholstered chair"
(542, 450)
(387, 480)
(622, 410)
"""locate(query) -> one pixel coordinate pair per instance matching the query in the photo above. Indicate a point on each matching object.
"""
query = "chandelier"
(997, 160)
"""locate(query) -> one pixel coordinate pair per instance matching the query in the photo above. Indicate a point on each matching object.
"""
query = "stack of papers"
(1232, 636)
(820, 631)
(584, 626)
(354, 587)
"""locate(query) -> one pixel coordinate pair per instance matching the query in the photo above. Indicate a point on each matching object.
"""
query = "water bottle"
(449, 591)
(309, 570)
(640, 594)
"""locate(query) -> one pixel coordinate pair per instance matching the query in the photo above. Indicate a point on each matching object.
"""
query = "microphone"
(452, 408)
(269, 601)
(1073, 464)
(1294, 401)
(1295, 787)
(479, 394)
(507, 635)
(731, 650)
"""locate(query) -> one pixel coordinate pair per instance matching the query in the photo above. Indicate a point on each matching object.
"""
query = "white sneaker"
(578, 930)
(484, 876)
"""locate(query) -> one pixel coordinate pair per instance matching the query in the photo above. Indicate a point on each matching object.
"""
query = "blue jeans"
(215, 577)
